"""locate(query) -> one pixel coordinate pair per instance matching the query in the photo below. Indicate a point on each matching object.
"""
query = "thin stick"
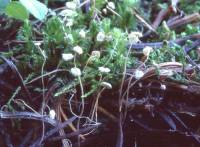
(27, 115)
(70, 125)
(53, 131)
(105, 112)
(46, 74)
(144, 21)
(171, 43)
(193, 18)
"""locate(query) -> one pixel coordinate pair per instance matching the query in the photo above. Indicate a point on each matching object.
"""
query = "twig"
(15, 70)
(186, 49)
(185, 126)
(20, 42)
(70, 125)
(28, 115)
(70, 135)
(171, 43)
(143, 21)
(46, 74)
(160, 17)
(53, 131)
(195, 17)
(65, 142)
(170, 132)
(105, 112)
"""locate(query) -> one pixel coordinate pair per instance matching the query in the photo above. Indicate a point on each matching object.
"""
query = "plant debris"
(100, 73)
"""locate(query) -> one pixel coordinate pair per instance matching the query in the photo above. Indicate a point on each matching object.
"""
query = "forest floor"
(100, 73)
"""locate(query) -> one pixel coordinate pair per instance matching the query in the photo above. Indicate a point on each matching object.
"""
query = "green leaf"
(3, 4)
(36, 8)
(16, 10)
